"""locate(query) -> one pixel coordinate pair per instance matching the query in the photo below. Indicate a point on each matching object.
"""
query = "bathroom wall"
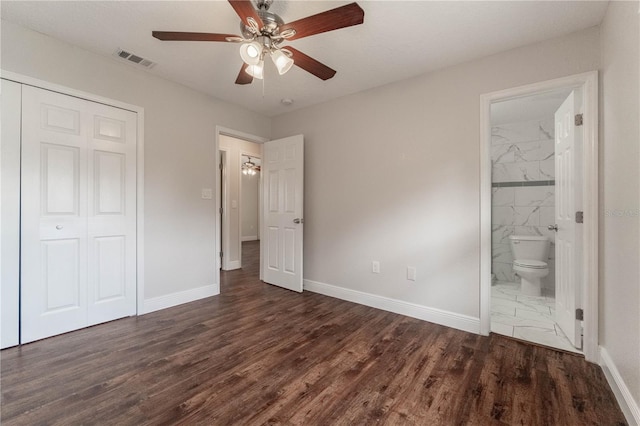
(523, 190)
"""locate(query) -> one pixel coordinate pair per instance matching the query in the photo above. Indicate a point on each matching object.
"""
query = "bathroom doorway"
(532, 257)
(523, 205)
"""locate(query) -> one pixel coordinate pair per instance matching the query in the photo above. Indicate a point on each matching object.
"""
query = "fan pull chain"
(263, 79)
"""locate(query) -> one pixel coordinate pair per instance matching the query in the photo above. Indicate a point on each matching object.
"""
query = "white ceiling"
(398, 40)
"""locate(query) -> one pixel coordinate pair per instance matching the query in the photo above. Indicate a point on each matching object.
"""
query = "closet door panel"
(111, 213)
(53, 213)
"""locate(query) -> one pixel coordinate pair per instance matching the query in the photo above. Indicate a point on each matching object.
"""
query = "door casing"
(588, 82)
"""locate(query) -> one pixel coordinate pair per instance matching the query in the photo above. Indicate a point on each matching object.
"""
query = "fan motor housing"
(271, 23)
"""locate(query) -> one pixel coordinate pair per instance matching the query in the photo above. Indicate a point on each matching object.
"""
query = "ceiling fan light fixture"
(251, 52)
(282, 62)
(256, 71)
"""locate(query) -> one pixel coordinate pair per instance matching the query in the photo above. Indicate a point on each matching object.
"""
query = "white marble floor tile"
(536, 315)
(565, 339)
(520, 322)
(504, 303)
(543, 337)
(505, 330)
(508, 288)
(526, 317)
(501, 295)
(532, 306)
(504, 309)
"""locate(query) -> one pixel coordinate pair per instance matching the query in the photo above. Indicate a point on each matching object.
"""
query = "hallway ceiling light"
(249, 168)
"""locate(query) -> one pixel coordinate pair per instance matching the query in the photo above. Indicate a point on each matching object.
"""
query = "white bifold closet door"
(78, 214)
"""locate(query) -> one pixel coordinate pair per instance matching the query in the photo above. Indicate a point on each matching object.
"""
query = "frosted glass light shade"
(282, 62)
(256, 71)
(251, 52)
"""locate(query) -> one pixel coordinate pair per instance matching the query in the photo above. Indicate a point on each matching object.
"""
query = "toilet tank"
(530, 247)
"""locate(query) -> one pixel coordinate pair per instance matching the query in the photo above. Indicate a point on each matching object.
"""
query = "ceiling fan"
(263, 32)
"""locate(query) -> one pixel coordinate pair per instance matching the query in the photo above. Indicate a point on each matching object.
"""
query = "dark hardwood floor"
(258, 354)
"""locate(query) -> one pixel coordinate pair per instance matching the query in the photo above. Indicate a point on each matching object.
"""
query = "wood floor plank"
(258, 354)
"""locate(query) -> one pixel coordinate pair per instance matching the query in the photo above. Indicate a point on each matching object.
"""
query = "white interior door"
(283, 196)
(78, 214)
(568, 139)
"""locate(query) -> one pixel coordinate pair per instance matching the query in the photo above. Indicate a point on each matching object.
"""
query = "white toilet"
(530, 254)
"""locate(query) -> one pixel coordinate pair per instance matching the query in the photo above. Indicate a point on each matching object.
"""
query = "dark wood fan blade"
(243, 76)
(245, 9)
(334, 19)
(179, 36)
(309, 64)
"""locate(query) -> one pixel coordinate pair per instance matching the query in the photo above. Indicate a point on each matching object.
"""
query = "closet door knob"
(59, 227)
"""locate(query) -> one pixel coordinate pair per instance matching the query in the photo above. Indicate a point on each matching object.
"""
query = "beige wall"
(392, 174)
(619, 193)
(180, 131)
(235, 148)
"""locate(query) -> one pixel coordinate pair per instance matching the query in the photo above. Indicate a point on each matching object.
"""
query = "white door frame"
(588, 82)
(220, 130)
(221, 262)
(30, 81)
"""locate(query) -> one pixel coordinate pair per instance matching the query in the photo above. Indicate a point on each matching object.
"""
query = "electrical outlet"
(411, 273)
(375, 267)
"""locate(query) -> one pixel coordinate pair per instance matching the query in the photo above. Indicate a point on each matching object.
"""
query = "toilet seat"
(528, 263)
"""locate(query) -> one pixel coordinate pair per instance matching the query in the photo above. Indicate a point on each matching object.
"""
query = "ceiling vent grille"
(132, 57)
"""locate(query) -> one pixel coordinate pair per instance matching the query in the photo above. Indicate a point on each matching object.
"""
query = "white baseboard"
(231, 265)
(438, 316)
(249, 238)
(175, 299)
(628, 405)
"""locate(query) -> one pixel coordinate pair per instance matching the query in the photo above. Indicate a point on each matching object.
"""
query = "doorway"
(520, 181)
(232, 147)
(281, 206)
(523, 222)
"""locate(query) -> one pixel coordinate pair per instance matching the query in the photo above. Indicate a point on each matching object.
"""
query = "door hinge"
(221, 210)
(220, 254)
(579, 314)
(579, 119)
(579, 217)
(220, 166)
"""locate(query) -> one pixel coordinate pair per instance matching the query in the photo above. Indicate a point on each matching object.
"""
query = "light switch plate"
(207, 193)
(411, 273)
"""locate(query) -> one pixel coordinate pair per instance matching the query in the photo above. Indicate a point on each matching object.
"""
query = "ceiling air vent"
(131, 57)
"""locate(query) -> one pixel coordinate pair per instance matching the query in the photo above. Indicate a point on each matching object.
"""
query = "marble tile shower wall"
(522, 154)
